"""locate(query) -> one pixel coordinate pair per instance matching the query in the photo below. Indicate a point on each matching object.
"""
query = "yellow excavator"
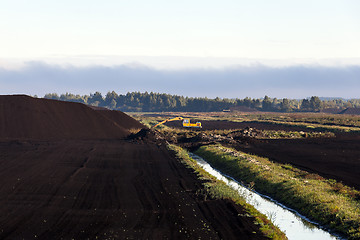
(186, 122)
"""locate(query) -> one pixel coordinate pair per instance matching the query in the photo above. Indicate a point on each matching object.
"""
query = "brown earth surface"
(110, 189)
(65, 173)
(334, 158)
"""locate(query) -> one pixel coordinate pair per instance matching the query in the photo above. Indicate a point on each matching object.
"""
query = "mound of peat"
(352, 111)
(24, 117)
(332, 110)
(243, 109)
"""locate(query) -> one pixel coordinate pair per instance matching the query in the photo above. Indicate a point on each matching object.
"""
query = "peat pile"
(352, 111)
(332, 110)
(243, 109)
(24, 117)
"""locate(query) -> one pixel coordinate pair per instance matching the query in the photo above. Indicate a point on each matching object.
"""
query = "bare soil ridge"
(24, 117)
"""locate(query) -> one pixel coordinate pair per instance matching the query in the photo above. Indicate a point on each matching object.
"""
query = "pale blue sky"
(256, 29)
(227, 48)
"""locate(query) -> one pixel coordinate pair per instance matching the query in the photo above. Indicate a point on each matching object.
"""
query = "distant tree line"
(161, 102)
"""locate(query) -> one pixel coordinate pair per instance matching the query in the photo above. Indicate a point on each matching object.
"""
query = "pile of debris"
(147, 135)
(247, 132)
(242, 136)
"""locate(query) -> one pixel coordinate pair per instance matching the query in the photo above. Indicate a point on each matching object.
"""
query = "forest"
(162, 102)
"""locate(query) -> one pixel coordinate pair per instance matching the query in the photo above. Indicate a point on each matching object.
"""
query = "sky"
(228, 48)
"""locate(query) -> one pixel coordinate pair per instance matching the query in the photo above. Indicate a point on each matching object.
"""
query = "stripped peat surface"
(335, 158)
(107, 189)
(64, 180)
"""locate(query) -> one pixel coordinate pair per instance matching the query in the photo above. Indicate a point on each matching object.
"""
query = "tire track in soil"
(109, 189)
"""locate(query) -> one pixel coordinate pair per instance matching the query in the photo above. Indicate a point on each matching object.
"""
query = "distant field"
(326, 144)
(289, 121)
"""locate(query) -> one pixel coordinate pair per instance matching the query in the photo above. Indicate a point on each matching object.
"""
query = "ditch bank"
(215, 190)
(317, 199)
(295, 226)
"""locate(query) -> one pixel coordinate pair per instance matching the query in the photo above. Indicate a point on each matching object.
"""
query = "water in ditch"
(295, 226)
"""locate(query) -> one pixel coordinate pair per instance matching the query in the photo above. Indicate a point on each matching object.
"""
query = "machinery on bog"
(186, 122)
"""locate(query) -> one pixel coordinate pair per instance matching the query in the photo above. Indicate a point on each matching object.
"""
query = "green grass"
(280, 134)
(315, 126)
(324, 200)
(314, 121)
(314, 118)
(215, 189)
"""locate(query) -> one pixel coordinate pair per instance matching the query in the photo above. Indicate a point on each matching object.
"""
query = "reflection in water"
(293, 224)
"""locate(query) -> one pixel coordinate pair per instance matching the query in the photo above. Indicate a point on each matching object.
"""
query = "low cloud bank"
(252, 81)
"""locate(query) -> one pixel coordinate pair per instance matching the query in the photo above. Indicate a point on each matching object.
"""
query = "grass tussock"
(281, 134)
(324, 200)
(215, 189)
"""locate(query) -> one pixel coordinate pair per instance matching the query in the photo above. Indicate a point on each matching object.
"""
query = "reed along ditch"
(294, 225)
